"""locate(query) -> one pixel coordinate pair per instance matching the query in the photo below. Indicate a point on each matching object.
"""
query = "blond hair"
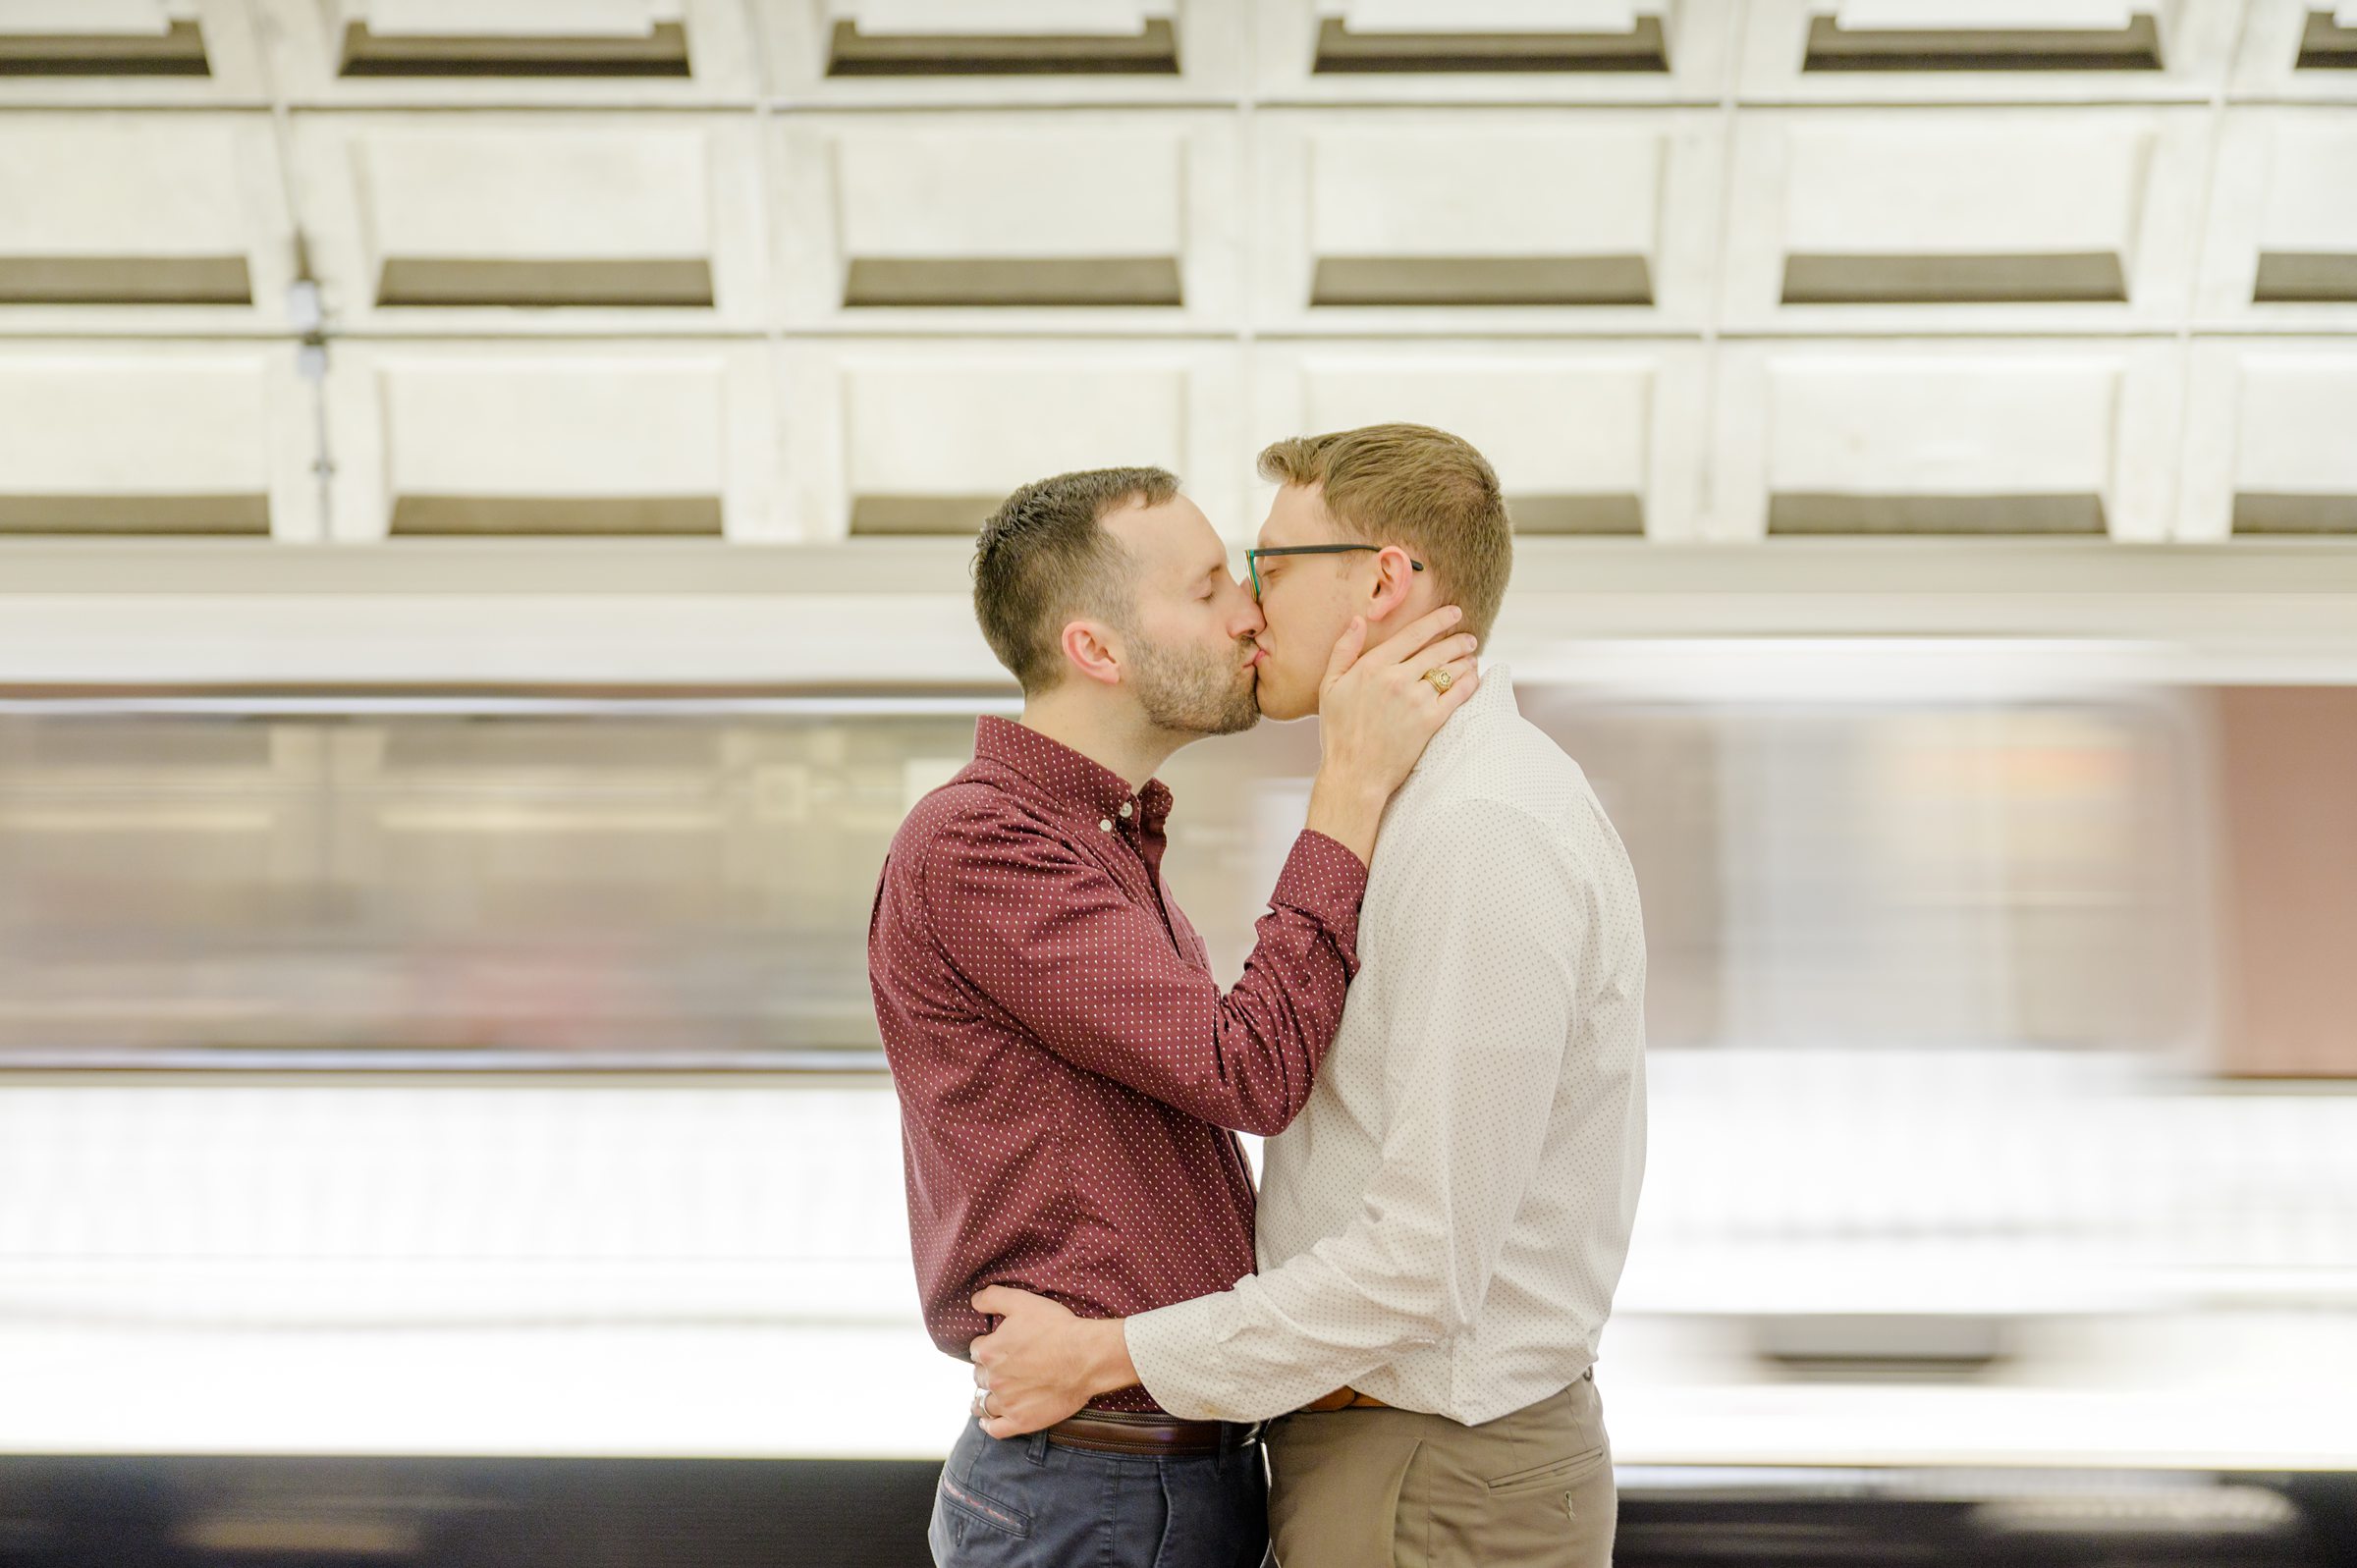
(1424, 489)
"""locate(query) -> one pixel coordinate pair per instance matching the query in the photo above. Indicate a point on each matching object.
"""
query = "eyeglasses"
(1252, 558)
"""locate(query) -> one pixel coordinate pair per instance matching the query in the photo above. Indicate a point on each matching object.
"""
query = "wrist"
(1109, 1368)
(1349, 789)
(1350, 818)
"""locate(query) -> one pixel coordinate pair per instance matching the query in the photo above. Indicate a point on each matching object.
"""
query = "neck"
(1119, 744)
(1421, 600)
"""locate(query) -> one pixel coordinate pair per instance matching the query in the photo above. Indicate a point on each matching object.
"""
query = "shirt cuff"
(1176, 1351)
(1325, 881)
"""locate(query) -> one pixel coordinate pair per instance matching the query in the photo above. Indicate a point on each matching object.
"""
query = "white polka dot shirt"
(1444, 1224)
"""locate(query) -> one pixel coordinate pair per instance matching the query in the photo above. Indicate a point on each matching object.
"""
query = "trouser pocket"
(1549, 1475)
(977, 1524)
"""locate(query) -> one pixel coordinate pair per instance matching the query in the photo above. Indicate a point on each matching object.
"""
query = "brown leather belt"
(1343, 1399)
(1117, 1431)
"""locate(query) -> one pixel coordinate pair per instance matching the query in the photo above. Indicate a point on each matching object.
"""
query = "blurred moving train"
(451, 1130)
(447, 1130)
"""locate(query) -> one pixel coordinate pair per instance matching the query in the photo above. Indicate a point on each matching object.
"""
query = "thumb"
(1347, 648)
(995, 1301)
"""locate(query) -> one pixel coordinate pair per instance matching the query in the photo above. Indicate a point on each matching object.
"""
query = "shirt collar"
(1496, 696)
(1066, 777)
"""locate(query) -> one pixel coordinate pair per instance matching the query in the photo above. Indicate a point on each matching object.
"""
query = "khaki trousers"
(1359, 1488)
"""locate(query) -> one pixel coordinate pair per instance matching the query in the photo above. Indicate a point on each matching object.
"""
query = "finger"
(1346, 649)
(1462, 677)
(1464, 670)
(1412, 639)
(1460, 690)
(1001, 1426)
(995, 1301)
(1449, 652)
(1459, 645)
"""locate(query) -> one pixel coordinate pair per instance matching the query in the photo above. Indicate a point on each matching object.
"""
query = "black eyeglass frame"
(1252, 557)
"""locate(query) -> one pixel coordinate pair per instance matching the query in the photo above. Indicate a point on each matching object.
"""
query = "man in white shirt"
(1442, 1228)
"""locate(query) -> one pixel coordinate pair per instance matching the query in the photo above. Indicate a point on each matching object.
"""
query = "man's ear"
(1090, 647)
(1395, 581)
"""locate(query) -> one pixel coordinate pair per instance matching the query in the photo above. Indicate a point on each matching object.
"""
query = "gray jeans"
(1024, 1501)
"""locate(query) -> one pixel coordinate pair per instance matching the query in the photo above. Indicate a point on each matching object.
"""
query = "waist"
(1112, 1233)
(1351, 1399)
(1115, 1432)
(1343, 1399)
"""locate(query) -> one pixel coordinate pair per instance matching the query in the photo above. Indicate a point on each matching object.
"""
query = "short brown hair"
(1425, 490)
(1044, 557)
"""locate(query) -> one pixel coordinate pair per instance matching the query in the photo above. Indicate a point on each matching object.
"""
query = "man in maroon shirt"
(1066, 1065)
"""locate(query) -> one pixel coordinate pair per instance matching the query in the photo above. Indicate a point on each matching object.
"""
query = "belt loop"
(1035, 1448)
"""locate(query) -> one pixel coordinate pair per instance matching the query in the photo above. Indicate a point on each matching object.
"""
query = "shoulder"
(970, 831)
(1464, 835)
(1512, 766)
(965, 815)
(965, 804)
(1518, 789)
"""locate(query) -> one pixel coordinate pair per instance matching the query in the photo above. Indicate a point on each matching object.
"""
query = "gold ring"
(1441, 680)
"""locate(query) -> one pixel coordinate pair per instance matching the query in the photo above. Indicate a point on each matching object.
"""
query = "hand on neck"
(1386, 620)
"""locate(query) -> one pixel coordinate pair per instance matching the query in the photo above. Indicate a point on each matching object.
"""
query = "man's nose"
(1248, 621)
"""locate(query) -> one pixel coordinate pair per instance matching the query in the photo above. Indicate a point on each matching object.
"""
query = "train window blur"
(684, 884)
(676, 889)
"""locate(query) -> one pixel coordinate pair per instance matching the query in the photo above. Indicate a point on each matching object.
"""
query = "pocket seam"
(1398, 1502)
(1001, 1517)
(1554, 1470)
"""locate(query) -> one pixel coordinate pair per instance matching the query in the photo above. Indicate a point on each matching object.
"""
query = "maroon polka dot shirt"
(1066, 1065)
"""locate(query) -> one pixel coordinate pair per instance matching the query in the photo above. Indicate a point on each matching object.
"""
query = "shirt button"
(1104, 824)
(1124, 808)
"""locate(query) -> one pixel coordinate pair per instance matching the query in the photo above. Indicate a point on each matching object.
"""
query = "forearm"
(1270, 1033)
(1347, 810)
(1093, 975)
(1277, 1340)
(1105, 1357)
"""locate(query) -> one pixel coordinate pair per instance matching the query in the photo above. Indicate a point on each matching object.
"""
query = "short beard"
(1194, 695)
